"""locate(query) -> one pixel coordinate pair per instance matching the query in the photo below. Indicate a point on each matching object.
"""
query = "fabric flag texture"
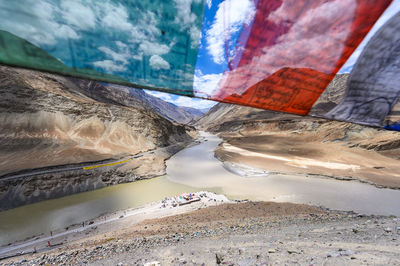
(283, 58)
(374, 84)
(294, 50)
(146, 44)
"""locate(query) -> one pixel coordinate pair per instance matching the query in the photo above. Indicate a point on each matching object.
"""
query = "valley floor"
(245, 233)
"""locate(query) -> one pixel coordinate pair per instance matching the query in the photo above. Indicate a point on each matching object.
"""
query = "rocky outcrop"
(21, 191)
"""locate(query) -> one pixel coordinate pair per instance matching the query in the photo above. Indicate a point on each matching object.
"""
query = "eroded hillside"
(48, 120)
(286, 143)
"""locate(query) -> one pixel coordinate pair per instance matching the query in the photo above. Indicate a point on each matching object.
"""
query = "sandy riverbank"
(287, 154)
(109, 223)
(197, 167)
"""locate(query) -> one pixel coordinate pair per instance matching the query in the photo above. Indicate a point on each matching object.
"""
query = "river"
(50, 215)
(198, 168)
(194, 169)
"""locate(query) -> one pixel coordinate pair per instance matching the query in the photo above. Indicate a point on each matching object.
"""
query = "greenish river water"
(43, 217)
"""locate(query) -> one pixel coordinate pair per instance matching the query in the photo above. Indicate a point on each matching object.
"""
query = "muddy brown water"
(194, 169)
(198, 168)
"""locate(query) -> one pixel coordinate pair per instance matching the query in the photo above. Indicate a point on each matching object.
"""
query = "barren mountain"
(138, 97)
(286, 143)
(50, 115)
(179, 114)
(49, 120)
(223, 112)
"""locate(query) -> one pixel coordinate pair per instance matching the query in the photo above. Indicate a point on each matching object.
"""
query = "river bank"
(314, 148)
(56, 182)
(197, 167)
(250, 233)
(108, 224)
(57, 214)
(308, 234)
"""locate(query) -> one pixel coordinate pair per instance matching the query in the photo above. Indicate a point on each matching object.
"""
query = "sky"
(210, 60)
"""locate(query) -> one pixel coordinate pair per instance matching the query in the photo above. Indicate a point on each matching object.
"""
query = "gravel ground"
(249, 233)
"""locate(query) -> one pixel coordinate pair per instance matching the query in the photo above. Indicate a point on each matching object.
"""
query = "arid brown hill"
(51, 121)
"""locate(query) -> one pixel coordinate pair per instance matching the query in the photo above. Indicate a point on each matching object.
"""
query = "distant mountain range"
(224, 113)
(182, 115)
(137, 98)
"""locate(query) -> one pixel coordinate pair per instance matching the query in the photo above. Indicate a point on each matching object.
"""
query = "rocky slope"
(249, 233)
(49, 120)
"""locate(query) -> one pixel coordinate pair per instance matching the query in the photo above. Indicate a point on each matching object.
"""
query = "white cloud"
(209, 3)
(66, 32)
(143, 36)
(110, 66)
(157, 63)
(186, 20)
(118, 60)
(117, 57)
(121, 45)
(184, 16)
(195, 36)
(77, 14)
(182, 100)
(45, 28)
(162, 95)
(153, 48)
(206, 85)
(115, 17)
(193, 102)
(230, 17)
(146, 28)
